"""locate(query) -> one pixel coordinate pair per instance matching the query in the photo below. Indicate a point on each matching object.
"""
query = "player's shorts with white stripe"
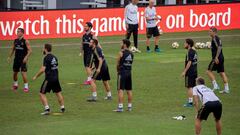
(124, 81)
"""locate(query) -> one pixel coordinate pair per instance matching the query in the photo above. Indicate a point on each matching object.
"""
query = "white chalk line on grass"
(115, 42)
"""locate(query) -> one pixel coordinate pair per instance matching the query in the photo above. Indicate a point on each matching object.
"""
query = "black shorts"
(124, 81)
(19, 66)
(87, 59)
(190, 81)
(212, 106)
(103, 75)
(132, 28)
(47, 86)
(152, 32)
(216, 67)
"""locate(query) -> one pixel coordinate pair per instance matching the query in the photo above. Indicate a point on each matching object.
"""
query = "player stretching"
(190, 71)
(131, 18)
(210, 104)
(51, 81)
(87, 51)
(22, 50)
(124, 82)
(217, 63)
(101, 71)
(152, 29)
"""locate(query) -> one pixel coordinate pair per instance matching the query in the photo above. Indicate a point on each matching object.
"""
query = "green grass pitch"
(158, 89)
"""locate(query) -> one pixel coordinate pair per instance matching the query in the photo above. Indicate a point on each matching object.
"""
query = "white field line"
(115, 42)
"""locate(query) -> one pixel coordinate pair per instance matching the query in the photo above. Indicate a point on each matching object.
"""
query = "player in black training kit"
(190, 70)
(51, 81)
(101, 71)
(22, 50)
(87, 51)
(124, 82)
(217, 63)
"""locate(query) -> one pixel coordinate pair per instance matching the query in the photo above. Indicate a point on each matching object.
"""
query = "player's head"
(213, 31)
(47, 48)
(125, 43)
(93, 43)
(151, 3)
(135, 2)
(88, 26)
(188, 43)
(20, 32)
(200, 81)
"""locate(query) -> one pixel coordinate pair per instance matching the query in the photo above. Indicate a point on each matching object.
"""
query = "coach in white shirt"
(210, 103)
(131, 20)
(151, 24)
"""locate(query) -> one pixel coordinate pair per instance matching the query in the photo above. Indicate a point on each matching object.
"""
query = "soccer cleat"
(188, 105)
(92, 99)
(137, 50)
(62, 110)
(224, 92)
(157, 50)
(108, 98)
(129, 109)
(149, 51)
(46, 112)
(87, 82)
(14, 87)
(26, 90)
(118, 110)
(216, 88)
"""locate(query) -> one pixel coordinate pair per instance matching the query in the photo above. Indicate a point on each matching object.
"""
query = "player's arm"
(195, 101)
(29, 51)
(126, 16)
(219, 49)
(39, 73)
(99, 45)
(81, 49)
(100, 59)
(186, 68)
(118, 60)
(11, 53)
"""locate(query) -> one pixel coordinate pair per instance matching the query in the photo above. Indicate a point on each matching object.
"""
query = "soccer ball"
(202, 45)
(208, 44)
(175, 45)
(197, 45)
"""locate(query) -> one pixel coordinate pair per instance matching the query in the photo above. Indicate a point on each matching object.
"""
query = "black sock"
(148, 48)
(156, 46)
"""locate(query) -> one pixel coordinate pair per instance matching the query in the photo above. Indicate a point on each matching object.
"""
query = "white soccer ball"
(197, 45)
(208, 44)
(202, 45)
(175, 45)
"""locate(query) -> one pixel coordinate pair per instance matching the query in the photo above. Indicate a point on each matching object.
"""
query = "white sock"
(89, 78)
(120, 105)
(25, 85)
(15, 83)
(109, 94)
(62, 106)
(215, 85)
(226, 86)
(46, 107)
(129, 104)
(94, 94)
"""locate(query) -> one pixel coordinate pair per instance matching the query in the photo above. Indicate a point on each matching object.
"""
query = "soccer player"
(101, 71)
(152, 29)
(51, 81)
(131, 19)
(210, 104)
(22, 50)
(124, 82)
(217, 63)
(190, 70)
(87, 51)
